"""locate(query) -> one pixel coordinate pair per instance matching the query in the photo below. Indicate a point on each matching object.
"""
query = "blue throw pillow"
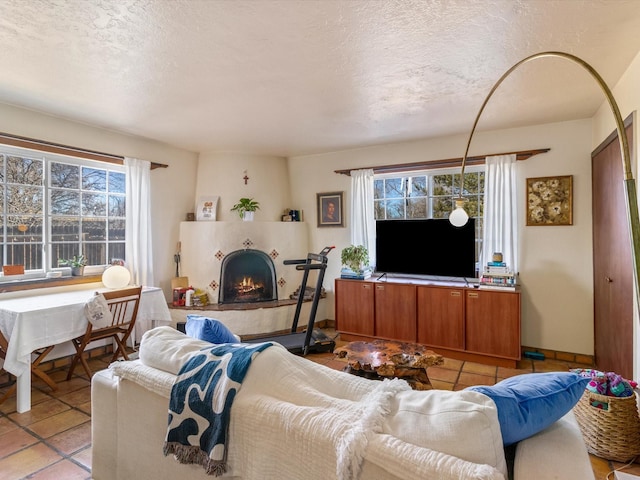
(208, 329)
(529, 403)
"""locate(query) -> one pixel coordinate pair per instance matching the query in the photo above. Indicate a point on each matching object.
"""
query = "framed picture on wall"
(206, 208)
(330, 211)
(550, 201)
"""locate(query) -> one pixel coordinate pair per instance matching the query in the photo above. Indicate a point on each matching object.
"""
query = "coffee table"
(380, 359)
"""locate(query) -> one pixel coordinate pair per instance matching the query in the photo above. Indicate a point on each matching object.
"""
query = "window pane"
(24, 241)
(471, 182)
(117, 182)
(441, 185)
(65, 229)
(23, 199)
(471, 206)
(378, 189)
(64, 175)
(25, 171)
(2, 158)
(116, 230)
(395, 209)
(417, 208)
(418, 187)
(116, 251)
(378, 207)
(117, 206)
(442, 207)
(65, 202)
(94, 179)
(95, 253)
(94, 204)
(94, 229)
(394, 187)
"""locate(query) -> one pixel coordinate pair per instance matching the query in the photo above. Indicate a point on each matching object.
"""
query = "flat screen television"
(430, 247)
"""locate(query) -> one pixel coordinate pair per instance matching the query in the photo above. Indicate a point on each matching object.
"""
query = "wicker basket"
(613, 434)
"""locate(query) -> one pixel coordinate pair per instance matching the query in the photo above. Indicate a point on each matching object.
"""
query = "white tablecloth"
(33, 322)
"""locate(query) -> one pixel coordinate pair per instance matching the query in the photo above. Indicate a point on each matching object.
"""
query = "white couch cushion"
(463, 424)
(167, 349)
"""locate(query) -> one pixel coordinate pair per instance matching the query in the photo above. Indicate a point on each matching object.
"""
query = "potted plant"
(356, 260)
(77, 264)
(245, 208)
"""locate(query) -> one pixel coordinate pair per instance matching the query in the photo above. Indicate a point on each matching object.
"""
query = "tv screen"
(426, 247)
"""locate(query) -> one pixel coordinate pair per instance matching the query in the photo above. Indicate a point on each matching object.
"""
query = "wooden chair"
(40, 354)
(123, 305)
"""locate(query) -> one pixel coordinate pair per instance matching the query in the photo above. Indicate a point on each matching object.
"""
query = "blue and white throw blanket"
(200, 404)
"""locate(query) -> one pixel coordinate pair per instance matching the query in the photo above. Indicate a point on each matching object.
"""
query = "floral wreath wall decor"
(550, 201)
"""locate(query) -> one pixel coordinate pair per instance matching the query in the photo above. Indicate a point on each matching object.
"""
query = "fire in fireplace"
(247, 276)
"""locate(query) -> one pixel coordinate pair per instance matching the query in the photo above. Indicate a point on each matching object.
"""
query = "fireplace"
(247, 276)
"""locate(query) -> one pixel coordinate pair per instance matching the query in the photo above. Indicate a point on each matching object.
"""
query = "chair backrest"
(123, 305)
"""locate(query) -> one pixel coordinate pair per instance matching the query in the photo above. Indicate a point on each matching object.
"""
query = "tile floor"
(53, 440)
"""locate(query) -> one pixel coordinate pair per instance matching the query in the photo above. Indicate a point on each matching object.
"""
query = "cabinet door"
(395, 313)
(441, 317)
(354, 307)
(493, 323)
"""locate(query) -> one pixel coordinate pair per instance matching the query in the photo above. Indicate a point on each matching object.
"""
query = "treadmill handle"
(294, 262)
(314, 266)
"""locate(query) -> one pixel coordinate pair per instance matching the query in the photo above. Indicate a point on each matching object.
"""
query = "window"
(53, 207)
(429, 194)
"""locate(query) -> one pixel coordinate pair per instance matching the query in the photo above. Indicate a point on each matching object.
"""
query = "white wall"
(556, 266)
(223, 174)
(171, 188)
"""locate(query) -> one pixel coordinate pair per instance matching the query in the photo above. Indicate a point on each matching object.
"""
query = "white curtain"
(500, 211)
(138, 249)
(363, 223)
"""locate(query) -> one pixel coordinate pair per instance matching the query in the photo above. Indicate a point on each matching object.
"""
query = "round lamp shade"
(116, 276)
(458, 217)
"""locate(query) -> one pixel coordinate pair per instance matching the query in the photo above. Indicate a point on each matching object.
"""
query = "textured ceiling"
(289, 77)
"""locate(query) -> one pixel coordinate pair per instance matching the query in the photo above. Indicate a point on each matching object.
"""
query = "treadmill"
(311, 340)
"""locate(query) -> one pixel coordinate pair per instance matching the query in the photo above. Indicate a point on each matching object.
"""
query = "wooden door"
(395, 312)
(441, 317)
(354, 307)
(612, 264)
(493, 323)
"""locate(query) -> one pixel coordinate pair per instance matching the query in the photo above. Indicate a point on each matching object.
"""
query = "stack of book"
(498, 276)
(350, 274)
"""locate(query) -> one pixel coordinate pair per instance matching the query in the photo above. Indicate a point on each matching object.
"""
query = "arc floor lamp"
(459, 217)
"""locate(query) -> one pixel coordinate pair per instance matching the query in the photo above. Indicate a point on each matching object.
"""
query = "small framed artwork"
(550, 201)
(330, 211)
(206, 208)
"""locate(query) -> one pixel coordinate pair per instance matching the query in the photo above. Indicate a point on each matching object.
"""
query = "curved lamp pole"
(459, 217)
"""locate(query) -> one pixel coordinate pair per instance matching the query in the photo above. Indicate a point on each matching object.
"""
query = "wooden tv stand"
(459, 322)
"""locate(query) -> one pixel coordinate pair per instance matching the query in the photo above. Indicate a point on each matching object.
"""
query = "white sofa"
(297, 420)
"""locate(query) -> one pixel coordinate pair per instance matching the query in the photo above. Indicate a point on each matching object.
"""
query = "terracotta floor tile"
(442, 374)
(472, 367)
(38, 412)
(59, 423)
(7, 425)
(64, 470)
(508, 372)
(13, 441)
(438, 385)
(470, 379)
(452, 364)
(77, 397)
(72, 440)
(525, 364)
(84, 457)
(85, 407)
(28, 461)
(550, 366)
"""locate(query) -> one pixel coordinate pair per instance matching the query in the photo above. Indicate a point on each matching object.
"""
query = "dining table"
(37, 321)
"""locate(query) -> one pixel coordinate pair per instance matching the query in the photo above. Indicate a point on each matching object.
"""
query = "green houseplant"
(245, 208)
(77, 264)
(356, 259)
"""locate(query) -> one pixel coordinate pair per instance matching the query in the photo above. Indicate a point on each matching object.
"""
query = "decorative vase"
(77, 271)
(248, 216)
